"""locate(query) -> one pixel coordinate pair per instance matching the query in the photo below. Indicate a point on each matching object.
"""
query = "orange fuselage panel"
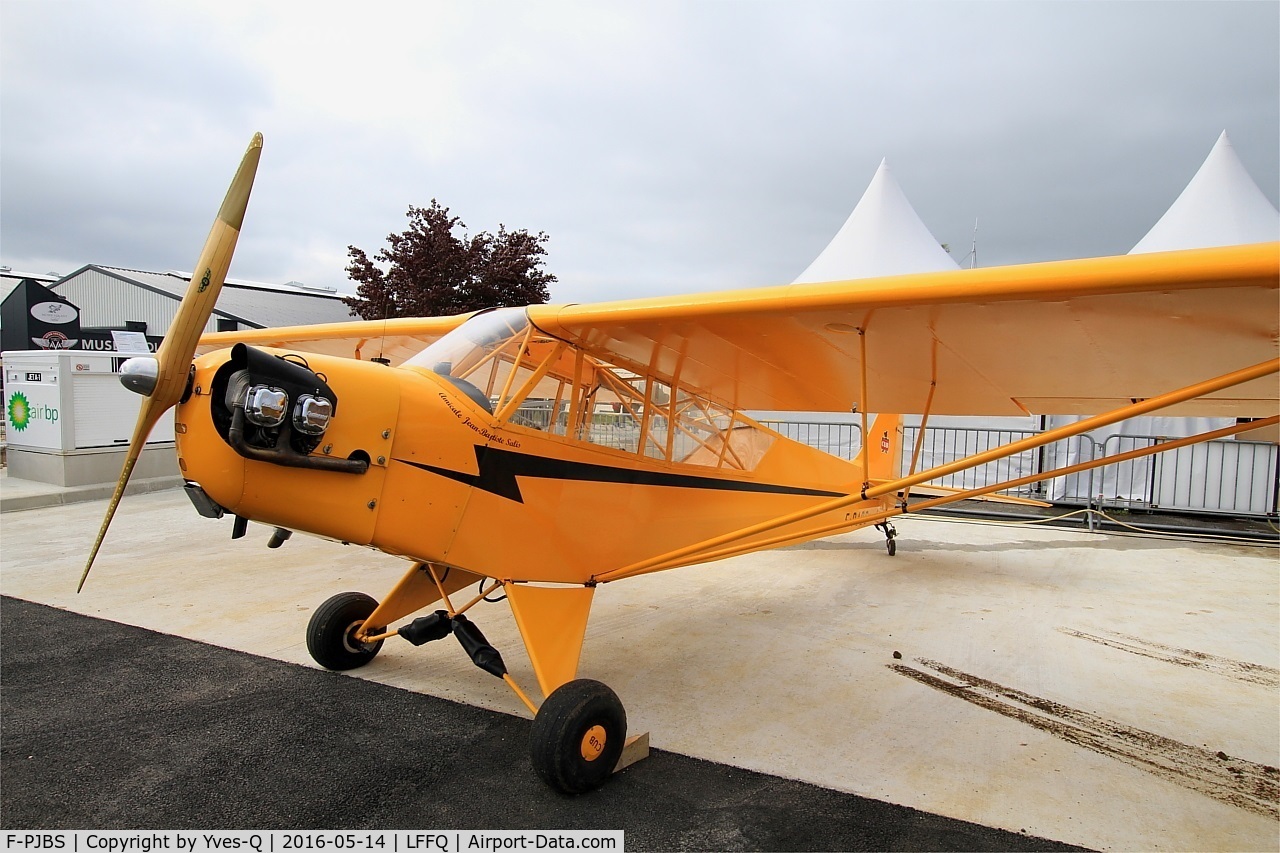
(447, 483)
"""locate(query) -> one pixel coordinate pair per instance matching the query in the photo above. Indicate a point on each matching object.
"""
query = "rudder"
(884, 448)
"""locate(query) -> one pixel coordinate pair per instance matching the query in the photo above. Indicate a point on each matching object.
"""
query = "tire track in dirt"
(1253, 673)
(1237, 781)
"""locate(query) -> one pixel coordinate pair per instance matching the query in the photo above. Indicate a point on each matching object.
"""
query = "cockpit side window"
(583, 398)
(526, 378)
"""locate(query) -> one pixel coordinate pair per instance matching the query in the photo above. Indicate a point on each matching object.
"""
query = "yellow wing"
(394, 340)
(1068, 337)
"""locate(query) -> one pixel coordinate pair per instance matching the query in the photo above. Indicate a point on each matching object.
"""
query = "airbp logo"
(19, 411)
(22, 413)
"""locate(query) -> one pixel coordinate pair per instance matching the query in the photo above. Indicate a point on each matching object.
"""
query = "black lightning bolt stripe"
(500, 467)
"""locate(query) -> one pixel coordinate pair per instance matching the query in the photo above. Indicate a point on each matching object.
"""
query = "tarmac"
(990, 687)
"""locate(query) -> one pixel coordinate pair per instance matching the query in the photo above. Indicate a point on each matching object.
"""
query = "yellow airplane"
(541, 452)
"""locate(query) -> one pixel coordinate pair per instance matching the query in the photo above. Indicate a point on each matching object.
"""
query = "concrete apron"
(1118, 693)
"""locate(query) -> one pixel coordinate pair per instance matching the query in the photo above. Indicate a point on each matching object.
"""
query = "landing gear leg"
(890, 534)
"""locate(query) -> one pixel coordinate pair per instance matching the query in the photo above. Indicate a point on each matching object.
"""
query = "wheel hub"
(349, 640)
(593, 742)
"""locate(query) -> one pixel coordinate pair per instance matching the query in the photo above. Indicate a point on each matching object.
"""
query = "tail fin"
(884, 448)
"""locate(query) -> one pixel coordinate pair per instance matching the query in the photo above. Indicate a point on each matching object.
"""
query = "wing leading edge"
(395, 340)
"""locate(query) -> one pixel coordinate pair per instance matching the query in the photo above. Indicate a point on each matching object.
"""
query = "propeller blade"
(179, 345)
(147, 418)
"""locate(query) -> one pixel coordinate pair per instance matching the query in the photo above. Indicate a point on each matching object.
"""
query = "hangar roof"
(252, 304)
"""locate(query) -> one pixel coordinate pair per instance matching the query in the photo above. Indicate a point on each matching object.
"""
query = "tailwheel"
(331, 632)
(578, 735)
(890, 534)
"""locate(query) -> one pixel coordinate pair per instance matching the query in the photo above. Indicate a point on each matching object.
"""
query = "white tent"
(1222, 206)
(883, 236)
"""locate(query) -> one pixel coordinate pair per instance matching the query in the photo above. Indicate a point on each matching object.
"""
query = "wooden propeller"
(168, 379)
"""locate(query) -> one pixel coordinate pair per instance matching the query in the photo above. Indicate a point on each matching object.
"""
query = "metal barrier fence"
(1226, 477)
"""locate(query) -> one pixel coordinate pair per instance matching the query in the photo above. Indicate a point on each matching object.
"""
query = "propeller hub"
(140, 375)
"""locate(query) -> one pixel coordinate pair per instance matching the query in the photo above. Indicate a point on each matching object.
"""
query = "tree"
(431, 271)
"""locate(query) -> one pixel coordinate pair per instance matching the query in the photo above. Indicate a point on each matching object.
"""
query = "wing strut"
(862, 400)
(924, 419)
(1142, 407)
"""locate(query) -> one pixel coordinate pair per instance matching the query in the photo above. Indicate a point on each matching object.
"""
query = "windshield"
(460, 352)
(476, 356)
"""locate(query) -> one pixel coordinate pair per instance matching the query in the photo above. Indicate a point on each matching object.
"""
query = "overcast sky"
(664, 147)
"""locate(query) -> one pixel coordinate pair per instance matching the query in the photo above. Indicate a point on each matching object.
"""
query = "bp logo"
(23, 414)
(19, 411)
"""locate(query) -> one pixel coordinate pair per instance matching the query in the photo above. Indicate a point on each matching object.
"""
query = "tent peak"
(882, 236)
(1220, 206)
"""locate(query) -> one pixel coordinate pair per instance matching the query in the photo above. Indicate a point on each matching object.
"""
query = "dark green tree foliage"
(431, 271)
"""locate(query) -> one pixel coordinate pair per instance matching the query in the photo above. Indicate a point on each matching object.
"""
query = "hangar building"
(112, 297)
(71, 419)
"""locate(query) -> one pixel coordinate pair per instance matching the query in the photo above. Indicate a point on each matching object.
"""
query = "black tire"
(331, 632)
(577, 736)
(893, 547)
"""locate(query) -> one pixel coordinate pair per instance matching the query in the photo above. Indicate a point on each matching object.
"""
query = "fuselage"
(448, 481)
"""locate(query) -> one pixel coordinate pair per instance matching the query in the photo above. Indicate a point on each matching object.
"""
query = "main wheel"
(331, 632)
(578, 736)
